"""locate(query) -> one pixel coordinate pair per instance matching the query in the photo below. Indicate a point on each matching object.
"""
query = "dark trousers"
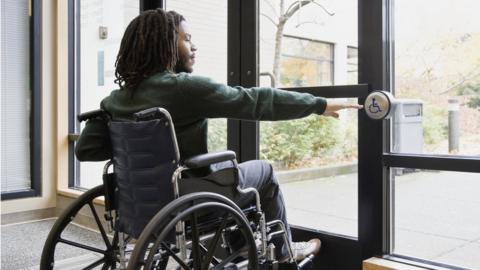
(259, 175)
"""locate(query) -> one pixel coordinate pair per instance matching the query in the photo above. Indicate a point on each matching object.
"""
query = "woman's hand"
(333, 108)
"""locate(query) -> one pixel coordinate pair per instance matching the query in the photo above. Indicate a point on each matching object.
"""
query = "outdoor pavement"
(437, 214)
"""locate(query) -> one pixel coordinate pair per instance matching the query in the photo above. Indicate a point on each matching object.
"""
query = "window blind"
(15, 95)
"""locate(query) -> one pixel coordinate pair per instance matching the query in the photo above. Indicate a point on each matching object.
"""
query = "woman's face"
(186, 49)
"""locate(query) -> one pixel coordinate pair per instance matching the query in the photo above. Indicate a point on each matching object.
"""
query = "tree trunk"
(284, 16)
(278, 50)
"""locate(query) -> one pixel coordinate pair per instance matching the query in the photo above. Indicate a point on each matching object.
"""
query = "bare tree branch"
(273, 8)
(282, 20)
(465, 79)
(329, 13)
(306, 22)
(295, 6)
(269, 18)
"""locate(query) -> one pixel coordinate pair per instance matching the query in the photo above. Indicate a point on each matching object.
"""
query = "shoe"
(301, 250)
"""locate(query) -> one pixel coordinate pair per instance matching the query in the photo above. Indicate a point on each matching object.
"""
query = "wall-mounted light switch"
(103, 32)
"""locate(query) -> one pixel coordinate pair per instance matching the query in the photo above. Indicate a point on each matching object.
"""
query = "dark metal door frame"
(373, 192)
(151, 4)
(339, 252)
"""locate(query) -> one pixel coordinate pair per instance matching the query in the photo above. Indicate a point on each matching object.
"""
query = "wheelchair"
(158, 216)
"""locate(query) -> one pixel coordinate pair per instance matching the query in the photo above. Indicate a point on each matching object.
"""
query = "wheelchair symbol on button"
(374, 108)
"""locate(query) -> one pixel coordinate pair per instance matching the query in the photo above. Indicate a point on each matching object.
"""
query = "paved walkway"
(437, 214)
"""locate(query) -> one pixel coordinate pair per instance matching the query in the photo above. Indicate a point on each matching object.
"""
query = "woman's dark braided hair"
(149, 46)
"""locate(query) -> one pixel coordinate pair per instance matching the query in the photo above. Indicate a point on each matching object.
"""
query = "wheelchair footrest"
(231, 266)
(280, 266)
(306, 263)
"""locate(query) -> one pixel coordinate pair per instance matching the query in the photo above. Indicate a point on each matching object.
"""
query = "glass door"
(308, 46)
(433, 157)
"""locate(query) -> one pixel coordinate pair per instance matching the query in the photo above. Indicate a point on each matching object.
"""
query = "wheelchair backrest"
(145, 155)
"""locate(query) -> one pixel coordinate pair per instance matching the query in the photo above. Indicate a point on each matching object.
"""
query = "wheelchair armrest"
(92, 114)
(210, 158)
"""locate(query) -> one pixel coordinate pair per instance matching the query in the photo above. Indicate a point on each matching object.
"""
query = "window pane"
(437, 216)
(15, 95)
(352, 65)
(314, 156)
(100, 26)
(437, 75)
(207, 21)
(305, 62)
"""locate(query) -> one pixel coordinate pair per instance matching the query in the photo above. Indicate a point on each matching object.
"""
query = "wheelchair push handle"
(92, 114)
(152, 113)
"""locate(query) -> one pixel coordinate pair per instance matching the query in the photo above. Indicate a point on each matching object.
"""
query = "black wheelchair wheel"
(156, 246)
(107, 252)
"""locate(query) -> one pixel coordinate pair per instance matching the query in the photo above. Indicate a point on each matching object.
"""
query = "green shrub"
(289, 142)
(474, 102)
(217, 135)
(295, 143)
(434, 125)
(472, 90)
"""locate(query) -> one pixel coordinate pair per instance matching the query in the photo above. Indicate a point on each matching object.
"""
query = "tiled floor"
(22, 244)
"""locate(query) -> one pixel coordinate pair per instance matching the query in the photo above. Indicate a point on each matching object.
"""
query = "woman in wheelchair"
(153, 70)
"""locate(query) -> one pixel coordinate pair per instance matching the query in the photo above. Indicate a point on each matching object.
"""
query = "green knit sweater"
(191, 100)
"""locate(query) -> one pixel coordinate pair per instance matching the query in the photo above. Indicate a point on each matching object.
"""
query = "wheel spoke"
(115, 239)
(100, 226)
(197, 260)
(105, 266)
(152, 250)
(95, 264)
(165, 223)
(213, 260)
(52, 247)
(229, 259)
(175, 257)
(213, 244)
(68, 242)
